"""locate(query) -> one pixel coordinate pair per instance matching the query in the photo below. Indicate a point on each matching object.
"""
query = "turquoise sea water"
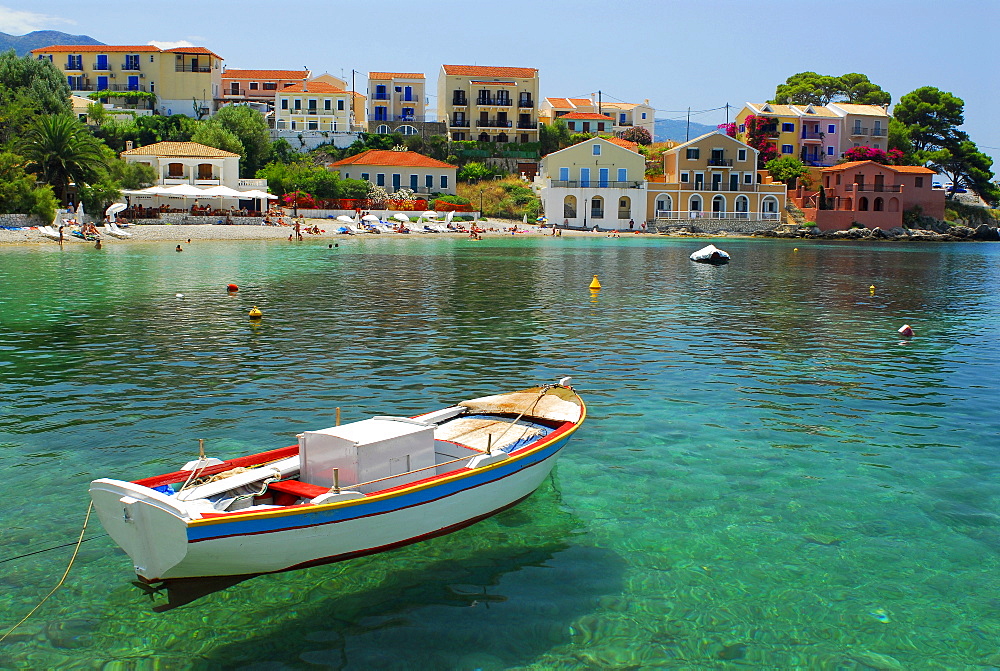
(769, 477)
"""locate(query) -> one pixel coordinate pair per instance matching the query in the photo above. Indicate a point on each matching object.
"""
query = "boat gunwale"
(210, 519)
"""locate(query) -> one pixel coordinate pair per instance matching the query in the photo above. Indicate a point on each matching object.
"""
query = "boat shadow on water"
(507, 588)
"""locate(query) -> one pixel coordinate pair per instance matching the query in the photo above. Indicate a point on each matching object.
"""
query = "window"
(284, 103)
(622, 174)
(395, 181)
(586, 126)
(743, 128)
(380, 92)
(175, 170)
(563, 174)
(692, 153)
(600, 126)
(643, 115)
(572, 125)
(597, 150)
(270, 86)
(444, 181)
(829, 151)
(621, 118)
(327, 105)
(298, 104)
(831, 129)
(741, 155)
(838, 179)
(685, 177)
(919, 182)
(408, 113)
(786, 149)
(340, 105)
(254, 86)
(429, 181)
(313, 124)
(787, 127)
(365, 176)
(380, 179)
(748, 178)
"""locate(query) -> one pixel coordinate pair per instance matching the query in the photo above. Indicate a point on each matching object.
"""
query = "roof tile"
(489, 71)
(392, 158)
(586, 115)
(233, 73)
(395, 75)
(179, 150)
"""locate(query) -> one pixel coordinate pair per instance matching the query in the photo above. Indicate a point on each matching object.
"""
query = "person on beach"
(631, 224)
(97, 245)
(178, 249)
(61, 227)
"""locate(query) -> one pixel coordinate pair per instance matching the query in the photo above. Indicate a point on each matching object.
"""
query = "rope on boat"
(59, 584)
(543, 392)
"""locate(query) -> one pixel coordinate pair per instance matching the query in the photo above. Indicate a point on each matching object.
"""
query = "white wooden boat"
(341, 492)
(710, 254)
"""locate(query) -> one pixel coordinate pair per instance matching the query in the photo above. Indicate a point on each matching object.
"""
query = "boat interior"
(372, 456)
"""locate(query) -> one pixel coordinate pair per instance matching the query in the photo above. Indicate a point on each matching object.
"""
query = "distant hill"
(670, 129)
(22, 44)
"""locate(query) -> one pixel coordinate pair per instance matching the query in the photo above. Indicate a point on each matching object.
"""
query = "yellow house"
(395, 99)
(313, 105)
(715, 177)
(624, 114)
(489, 104)
(598, 183)
(185, 80)
(782, 127)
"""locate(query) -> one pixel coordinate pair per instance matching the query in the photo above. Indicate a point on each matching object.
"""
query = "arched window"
(893, 205)
(175, 170)
(484, 137)
(769, 208)
(502, 137)
(624, 207)
(742, 207)
(848, 204)
(406, 130)
(383, 130)
(863, 204)
(694, 205)
(878, 205)
(719, 207)
(569, 207)
(204, 171)
(596, 207)
(664, 206)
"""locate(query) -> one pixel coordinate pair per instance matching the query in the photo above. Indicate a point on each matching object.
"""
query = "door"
(133, 83)
(880, 182)
(716, 181)
(102, 62)
(102, 83)
(395, 182)
(234, 88)
(603, 179)
(408, 94)
(584, 176)
(734, 182)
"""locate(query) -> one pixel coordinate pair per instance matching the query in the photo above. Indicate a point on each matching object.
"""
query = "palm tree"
(61, 150)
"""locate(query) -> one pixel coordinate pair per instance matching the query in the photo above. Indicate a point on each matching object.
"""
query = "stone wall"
(703, 225)
(21, 220)
(168, 218)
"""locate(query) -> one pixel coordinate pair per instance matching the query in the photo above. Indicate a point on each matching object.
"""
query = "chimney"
(128, 145)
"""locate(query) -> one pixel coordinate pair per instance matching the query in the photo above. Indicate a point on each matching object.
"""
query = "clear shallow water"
(769, 477)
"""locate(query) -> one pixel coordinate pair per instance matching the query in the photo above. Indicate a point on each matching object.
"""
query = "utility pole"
(687, 133)
(727, 114)
(599, 102)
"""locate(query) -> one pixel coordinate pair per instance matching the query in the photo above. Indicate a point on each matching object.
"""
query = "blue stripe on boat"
(238, 527)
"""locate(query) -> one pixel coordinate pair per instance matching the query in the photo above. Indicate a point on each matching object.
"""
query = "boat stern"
(148, 525)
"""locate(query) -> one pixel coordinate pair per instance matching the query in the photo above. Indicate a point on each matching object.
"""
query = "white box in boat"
(368, 450)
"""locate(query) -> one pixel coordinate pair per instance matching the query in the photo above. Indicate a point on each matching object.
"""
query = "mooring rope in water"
(54, 547)
(59, 584)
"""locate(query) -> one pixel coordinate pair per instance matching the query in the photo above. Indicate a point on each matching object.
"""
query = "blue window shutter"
(622, 174)
(564, 174)
(444, 181)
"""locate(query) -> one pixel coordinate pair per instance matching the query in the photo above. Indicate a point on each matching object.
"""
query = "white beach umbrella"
(114, 209)
(448, 217)
(79, 210)
(429, 214)
(370, 217)
(224, 192)
(257, 194)
(525, 219)
(345, 219)
(399, 216)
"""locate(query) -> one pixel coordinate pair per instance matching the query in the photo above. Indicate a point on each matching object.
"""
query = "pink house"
(871, 194)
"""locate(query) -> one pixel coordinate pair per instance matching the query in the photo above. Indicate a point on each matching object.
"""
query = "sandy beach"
(183, 233)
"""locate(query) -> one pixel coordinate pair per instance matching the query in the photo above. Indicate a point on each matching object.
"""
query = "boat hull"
(300, 536)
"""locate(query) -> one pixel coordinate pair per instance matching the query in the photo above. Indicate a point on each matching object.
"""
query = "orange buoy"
(905, 331)
(232, 287)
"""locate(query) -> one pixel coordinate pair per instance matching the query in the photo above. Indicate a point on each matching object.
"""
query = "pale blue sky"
(697, 53)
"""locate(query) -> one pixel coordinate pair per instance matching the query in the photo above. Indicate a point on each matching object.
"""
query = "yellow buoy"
(255, 313)
(871, 290)
(594, 284)
(796, 249)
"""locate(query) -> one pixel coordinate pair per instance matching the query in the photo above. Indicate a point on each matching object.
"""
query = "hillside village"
(178, 117)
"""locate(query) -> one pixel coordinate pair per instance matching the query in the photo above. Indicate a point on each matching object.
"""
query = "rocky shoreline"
(938, 233)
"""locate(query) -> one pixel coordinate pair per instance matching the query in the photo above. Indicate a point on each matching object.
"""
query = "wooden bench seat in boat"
(297, 488)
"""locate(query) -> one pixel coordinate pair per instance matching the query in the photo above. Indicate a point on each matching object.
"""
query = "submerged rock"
(874, 660)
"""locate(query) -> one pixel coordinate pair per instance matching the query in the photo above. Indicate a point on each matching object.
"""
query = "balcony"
(858, 130)
(380, 96)
(880, 132)
(82, 87)
(213, 181)
(812, 135)
(192, 68)
(460, 101)
(251, 183)
(76, 67)
(771, 130)
(130, 67)
(460, 123)
(525, 102)
(126, 87)
(493, 123)
(721, 162)
(494, 102)
(874, 188)
(238, 93)
(403, 98)
(102, 67)
(596, 184)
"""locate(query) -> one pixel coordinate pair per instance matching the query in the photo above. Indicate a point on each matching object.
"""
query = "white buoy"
(178, 295)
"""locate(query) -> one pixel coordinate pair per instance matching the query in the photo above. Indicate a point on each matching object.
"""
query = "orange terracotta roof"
(580, 101)
(488, 71)
(395, 75)
(192, 50)
(633, 146)
(586, 115)
(559, 102)
(408, 159)
(917, 169)
(93, 48)
(495, 83)
(264, 74)
(179, 150)
(312, 87)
